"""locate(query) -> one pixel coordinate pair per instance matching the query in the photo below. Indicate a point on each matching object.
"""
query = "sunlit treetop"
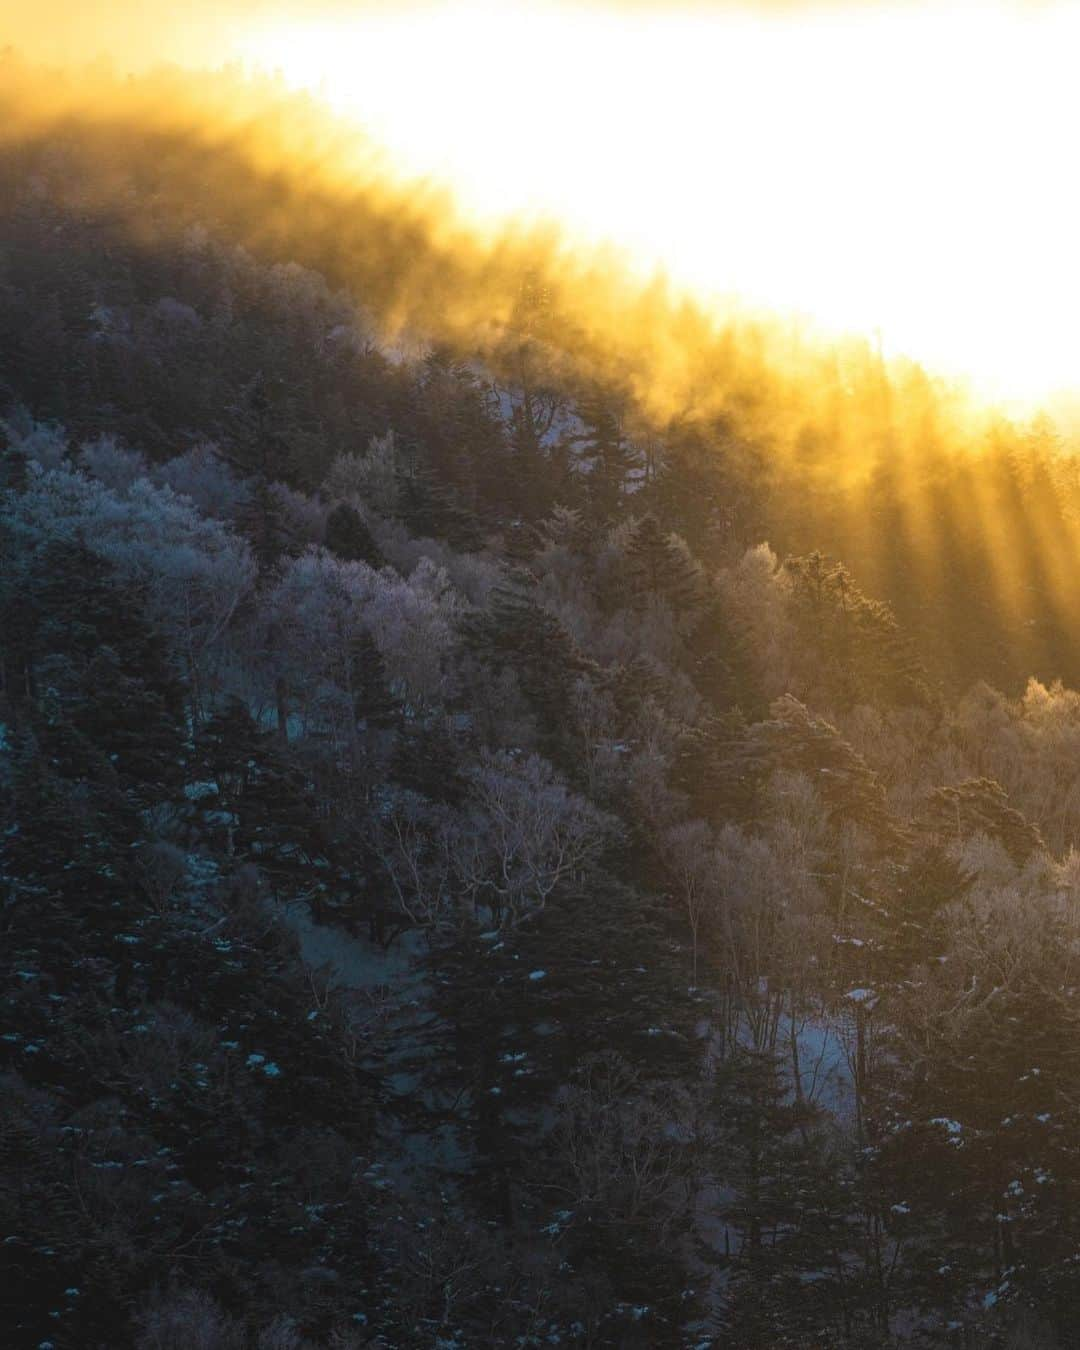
(901, 172)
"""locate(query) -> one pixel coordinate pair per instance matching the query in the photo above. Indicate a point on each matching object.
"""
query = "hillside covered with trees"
(491, 855)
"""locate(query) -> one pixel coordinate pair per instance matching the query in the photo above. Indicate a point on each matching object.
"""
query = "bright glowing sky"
(909, 170)
(904, 170)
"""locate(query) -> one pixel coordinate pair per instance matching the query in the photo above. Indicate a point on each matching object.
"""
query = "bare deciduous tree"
(525, 835)
(623, 1149)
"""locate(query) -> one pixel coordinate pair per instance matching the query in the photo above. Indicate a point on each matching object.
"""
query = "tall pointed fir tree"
(606, 455)
(349, 537)
(660, 564)
(516, 632)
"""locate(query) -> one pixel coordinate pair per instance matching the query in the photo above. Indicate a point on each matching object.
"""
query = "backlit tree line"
(735, 922)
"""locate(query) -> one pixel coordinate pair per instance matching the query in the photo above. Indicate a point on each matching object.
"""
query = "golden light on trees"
(891, 180)
(899, 172)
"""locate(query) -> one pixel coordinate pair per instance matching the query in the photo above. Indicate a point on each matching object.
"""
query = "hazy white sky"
(141, 30)
(901, 169)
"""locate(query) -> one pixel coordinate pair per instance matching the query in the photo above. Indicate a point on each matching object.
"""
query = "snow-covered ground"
(354, 962)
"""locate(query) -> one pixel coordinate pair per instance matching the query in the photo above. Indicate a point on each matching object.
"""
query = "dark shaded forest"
(502, 846)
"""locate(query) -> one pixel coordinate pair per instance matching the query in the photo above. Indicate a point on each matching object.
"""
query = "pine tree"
(604, 450)
(519, 633)
(661, 564)
(857, 639)
(793, 739)
(792, 1278)
(372, 701)
(262, 520)
(261, 809)
(432, 511)
(929, 882)
(349, 537)
(980, 805)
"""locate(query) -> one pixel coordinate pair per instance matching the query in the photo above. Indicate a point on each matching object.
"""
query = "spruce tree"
(372, 700)
(793, 1280)
(261, 810)
(519, 1016)
(431, 510)
(518, 633)
(349, 537)
(608, 457)
(660, 564)
(262, 520)
(859, 644)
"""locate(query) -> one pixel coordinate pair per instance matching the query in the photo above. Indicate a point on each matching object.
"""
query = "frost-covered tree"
(524, 835)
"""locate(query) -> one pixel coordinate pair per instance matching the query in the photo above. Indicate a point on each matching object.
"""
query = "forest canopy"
(528, 815)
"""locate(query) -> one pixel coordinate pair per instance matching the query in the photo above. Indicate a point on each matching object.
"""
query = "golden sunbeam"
(538, 553)
(896, 172)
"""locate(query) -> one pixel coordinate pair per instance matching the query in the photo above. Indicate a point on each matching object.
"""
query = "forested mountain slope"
(718, 928)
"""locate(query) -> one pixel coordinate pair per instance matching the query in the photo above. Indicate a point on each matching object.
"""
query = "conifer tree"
(566, 527)
(519, 1015)
(716, 769)
(604, 450)
(77, 643)
(257, 428)
(518, 633)
(721, 663)
(929, 882)
(262, 520)
(372, 700)
(428, 759)
(13, 466)
(260, 798)
(793, 1277)
(793, 739)
(432, 510)
(980, 805)
(349, 537)
(857, 638)
(661, 564)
